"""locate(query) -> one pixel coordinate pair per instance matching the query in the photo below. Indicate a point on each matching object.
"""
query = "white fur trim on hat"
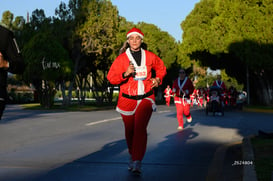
(129, 34)
(135, 31)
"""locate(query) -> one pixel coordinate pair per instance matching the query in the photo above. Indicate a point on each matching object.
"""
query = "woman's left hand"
(155, 82)
(3, 63)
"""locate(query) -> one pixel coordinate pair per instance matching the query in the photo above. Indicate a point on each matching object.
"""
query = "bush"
(18, 97)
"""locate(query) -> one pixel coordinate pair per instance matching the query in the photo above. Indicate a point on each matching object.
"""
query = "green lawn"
(263, 157)
(89, 106)
(257, 108)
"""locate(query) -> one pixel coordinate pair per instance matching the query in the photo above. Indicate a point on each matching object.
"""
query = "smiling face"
(134, 41)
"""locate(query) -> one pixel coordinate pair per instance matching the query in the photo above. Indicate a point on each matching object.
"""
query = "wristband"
(123, 75)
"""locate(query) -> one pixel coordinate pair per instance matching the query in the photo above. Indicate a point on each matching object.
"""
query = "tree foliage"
(235, 35)
(7, 19)
(159, 42)
(98, 35)
(83, 38)
(48, 63)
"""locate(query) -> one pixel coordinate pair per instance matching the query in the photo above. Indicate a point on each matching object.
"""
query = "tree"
(45, 56)
(18, 23)
(98, 36)
(235, 36)
(7, 19)
(46, 66)
(67, 19)
(159, 42)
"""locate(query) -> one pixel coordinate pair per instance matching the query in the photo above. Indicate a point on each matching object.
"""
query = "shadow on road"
(14, 112)
(183, 154)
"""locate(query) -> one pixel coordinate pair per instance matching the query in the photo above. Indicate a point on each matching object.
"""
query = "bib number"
(141, 73)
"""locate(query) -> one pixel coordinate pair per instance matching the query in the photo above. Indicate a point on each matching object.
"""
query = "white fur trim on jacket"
(129, 113)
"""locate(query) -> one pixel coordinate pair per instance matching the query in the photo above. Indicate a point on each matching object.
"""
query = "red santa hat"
(135, 31)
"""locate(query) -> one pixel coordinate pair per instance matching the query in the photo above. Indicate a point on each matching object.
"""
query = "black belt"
(138, 97)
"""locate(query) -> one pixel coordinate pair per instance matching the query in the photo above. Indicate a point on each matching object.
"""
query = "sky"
(165, 14)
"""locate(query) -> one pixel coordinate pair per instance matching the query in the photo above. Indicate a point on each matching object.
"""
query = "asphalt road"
(81, 146)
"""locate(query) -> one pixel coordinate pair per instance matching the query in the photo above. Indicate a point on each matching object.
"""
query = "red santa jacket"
(168, 92)
(130, 86)
(186, 87)
(219, 84)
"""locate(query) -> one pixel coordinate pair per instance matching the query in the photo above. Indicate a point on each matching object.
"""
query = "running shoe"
(137, 167)
(189, 120)
(180, 128)
(130, 164)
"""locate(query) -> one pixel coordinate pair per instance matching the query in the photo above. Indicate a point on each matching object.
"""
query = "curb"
(249, 173)
(216, 167)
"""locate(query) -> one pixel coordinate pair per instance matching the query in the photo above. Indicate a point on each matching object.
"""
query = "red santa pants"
(182, 108)
(136, 129)
(200, 103)
(168, 100)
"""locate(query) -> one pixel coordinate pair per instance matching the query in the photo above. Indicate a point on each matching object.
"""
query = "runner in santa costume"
(219, 83)
(182, 89)
(193, 97)
(168, 94)
(200, 95)
(132, 70)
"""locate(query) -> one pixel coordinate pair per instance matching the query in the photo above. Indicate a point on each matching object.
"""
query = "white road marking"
(113, 119)
(102, 121)
(164, 111)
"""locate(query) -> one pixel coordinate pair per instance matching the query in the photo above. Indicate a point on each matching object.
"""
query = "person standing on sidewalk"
(182, 89)
(132, 71)
(168, 94)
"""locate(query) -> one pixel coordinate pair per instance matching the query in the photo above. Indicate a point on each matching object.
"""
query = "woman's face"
(135, 42)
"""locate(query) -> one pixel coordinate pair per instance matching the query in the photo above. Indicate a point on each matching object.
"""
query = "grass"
(262, 147)
(74, 106)
(258, 108)
(89, 106)
(263, 153)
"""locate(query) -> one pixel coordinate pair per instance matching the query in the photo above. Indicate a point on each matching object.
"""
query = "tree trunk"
(264, 92)
(67, 99)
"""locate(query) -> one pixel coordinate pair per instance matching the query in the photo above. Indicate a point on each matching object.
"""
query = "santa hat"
(135, 31)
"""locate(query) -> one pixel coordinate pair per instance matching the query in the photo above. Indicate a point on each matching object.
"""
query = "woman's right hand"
(130, 70)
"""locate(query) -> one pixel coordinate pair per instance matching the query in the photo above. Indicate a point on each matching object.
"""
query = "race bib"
(141, 73)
